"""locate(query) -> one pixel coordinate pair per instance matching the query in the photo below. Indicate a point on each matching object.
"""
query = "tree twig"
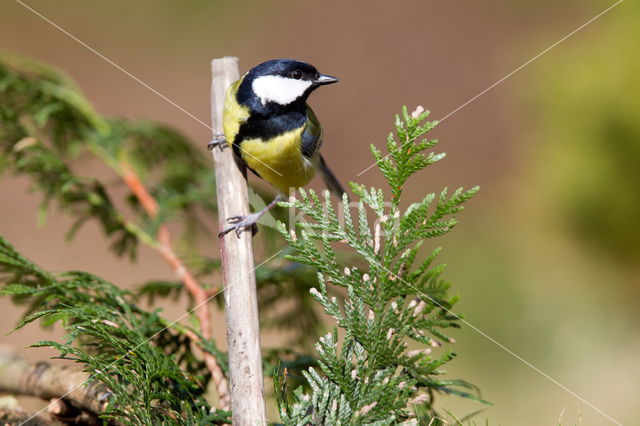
(21, 377)
(200, 295)
(240, 299)
(18, 416)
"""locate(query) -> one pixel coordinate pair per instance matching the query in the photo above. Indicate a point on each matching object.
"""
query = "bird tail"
(330, 179)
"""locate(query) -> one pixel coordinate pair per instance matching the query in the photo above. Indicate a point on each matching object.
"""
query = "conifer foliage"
(362, 262)
(145, 361)
(390, 303)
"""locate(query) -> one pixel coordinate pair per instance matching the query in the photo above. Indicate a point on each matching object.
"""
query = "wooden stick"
(236, 254)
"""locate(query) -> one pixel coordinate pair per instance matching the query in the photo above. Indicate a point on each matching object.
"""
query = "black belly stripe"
(266, 127)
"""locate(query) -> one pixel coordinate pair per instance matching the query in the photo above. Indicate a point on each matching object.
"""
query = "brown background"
(387, 54)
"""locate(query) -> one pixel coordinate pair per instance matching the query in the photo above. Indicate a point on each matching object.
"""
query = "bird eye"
(297, 74)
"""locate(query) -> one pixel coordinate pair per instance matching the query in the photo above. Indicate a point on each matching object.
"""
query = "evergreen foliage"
(390, 305)
(145, 361)
(366, 373)
(47, 124)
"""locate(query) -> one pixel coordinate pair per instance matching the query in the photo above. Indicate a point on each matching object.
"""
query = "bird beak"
(325, 79)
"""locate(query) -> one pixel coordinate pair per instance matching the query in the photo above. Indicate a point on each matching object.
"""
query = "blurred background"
(547, 256)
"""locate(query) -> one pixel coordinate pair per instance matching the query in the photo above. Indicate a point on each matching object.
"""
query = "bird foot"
(240, 223)
(219, 140)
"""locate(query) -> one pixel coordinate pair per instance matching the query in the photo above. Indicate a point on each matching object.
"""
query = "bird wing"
(312, 135)
(234, 114)
(330, 179)
(310, 146)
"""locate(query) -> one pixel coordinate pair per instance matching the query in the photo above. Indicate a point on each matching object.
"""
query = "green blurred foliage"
(587, 142)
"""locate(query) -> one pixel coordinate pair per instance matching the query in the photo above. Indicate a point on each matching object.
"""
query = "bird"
(273, 132)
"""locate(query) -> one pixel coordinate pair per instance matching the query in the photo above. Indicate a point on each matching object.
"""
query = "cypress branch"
(369, 373)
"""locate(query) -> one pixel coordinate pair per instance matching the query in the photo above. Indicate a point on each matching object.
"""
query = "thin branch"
(200, 295)
(18, 416)
(43, 380)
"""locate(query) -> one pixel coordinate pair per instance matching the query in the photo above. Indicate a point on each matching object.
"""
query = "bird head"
(279, 83)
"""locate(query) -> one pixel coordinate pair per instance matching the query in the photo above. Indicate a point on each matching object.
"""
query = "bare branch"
(21, 377)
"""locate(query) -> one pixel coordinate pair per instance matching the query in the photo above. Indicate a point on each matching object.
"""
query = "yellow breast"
(280, 161)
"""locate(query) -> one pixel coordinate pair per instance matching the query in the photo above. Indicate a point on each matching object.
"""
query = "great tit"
(273, 132)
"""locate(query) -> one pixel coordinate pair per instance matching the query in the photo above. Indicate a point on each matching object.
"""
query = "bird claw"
(235, 219)
(218, 141)
(241, 222)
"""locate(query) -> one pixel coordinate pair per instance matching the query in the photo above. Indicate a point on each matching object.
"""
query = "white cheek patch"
(281, 90)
